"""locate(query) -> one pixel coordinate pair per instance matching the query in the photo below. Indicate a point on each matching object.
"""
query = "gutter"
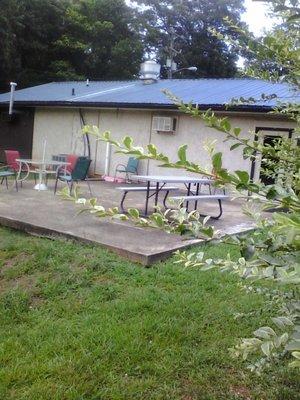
(149, 106)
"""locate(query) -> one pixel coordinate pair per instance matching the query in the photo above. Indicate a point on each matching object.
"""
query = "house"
(57, 111)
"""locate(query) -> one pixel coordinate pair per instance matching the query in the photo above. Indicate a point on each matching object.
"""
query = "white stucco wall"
(62, 127)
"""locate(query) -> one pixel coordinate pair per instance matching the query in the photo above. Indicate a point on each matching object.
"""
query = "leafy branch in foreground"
(286, 154)
(177, 220)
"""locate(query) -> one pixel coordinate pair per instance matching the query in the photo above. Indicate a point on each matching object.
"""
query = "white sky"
(255, 16)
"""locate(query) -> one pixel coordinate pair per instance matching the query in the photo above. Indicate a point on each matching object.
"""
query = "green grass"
(78, 322)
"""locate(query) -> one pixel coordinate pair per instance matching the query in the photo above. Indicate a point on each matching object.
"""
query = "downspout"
(87, 143)
(11, 100)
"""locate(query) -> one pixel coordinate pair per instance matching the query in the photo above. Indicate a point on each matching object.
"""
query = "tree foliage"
(46, 40)
(188, 23)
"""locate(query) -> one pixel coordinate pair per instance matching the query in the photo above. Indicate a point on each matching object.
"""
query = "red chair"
(11, 156)
(72, 159)
(14, 165)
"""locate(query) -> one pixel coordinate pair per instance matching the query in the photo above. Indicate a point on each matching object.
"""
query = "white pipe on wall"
(11, 100)
(107, 159)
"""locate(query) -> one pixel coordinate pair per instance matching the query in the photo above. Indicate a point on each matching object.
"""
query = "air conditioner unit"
(164, 124)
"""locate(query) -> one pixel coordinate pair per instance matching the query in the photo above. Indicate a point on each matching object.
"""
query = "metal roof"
(215, 93)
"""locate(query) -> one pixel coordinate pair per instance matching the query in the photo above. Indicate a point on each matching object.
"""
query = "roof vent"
(150, 71)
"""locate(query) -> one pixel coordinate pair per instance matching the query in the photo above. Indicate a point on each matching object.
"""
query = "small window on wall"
(164, 124)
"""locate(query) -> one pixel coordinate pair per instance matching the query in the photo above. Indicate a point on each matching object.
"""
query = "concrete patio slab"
(44, 214)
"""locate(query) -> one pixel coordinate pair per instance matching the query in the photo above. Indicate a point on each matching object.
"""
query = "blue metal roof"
(205, 92)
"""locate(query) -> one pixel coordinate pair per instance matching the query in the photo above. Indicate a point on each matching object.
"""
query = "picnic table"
(160, 181)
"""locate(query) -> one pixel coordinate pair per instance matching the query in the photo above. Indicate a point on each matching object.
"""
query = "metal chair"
(71, 160)
(12, 163)
(130, 168)
(79, 173)
(5, 172)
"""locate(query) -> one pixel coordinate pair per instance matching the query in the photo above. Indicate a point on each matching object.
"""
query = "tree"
(99, 41)
(28, 30)
(183, 29)
(46, 40)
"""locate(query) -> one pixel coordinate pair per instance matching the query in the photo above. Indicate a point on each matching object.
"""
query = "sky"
(255, 16)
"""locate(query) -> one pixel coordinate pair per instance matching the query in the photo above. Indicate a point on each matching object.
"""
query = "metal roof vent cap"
(150, 71)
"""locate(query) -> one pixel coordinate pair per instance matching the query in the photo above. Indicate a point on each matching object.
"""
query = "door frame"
(258, 129)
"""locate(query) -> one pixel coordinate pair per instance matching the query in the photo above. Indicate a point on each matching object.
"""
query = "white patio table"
(41, 169)
(161, 180)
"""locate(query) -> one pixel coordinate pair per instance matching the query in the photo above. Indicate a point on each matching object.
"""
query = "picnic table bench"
(218, 197)
(152, 189)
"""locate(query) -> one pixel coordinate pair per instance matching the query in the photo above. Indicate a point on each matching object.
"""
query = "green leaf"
(235, 146)
(271, 193)
(237, 132)
(134, 213)
(266, 348)
(296, 354)
(243, 176)
(158, 219)
(127, 142)
(264, 332)
(182, 153)
(152, 149)
(217, 161)
(248, 252)
(225, 124)
(282, 322)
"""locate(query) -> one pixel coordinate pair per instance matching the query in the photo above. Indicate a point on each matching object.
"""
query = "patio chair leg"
(6, 182)
(2, 180)
(197, 193)
(71, 188)
(89, 186)
(16, 182)
(122, 202)
(165, 199)
(55, 186)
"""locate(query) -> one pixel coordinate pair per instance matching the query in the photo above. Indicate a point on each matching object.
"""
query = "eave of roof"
(151, 106)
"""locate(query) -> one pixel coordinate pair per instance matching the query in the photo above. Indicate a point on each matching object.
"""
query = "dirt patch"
(241, 392)
(24, 282)
(19, 258)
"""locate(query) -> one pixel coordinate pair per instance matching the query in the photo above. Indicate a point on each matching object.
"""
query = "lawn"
(78, 322)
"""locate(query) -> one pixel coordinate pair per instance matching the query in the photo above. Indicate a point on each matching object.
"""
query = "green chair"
(79, 173)
(5, 174)
(130, 168)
